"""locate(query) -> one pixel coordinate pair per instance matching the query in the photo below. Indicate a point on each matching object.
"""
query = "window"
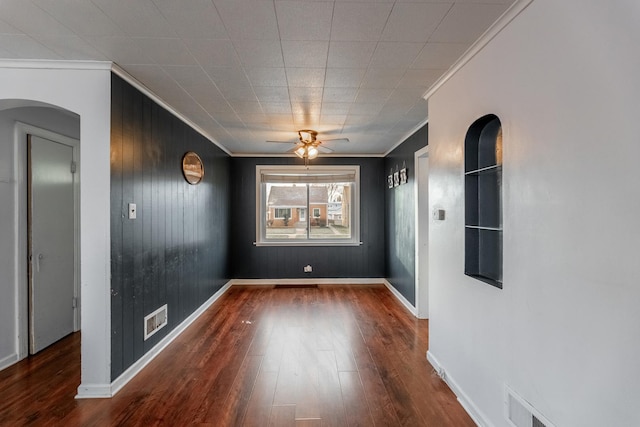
(286, 194)
(281, 213)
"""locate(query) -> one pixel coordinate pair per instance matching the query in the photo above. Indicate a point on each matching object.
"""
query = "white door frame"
(421, 190)
(22, 284)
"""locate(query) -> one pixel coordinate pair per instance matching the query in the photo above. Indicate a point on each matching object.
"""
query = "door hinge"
(74, 302)
(73, 167)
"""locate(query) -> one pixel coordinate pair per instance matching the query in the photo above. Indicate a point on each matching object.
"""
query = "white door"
(51, 242)
(421, 161)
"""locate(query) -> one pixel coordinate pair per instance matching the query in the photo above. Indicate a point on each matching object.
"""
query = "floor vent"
(155, 321)
(522, 414)
(295, 286)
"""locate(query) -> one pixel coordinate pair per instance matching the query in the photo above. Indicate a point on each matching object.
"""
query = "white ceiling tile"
(420, 79)
(336, 108)
(365, 109)
(372, 96)
(332, 121)
(305, 77)
(140, 18)
(414, 22)
(165, 51)
(6, 28)
(238, 93)
(82, 17)
(120, 50)
(305, 95)
(189, 76)
(227, 76)
(243, 107)
(259, 53)
(157, 80)
(466, 22)
(305, 53)
(248, 20)
(212, 100)
(382, 78)
(272, 93)
(266, 76)
(305, 109)
(356, 120)
(280, 121)
(395, 54)
(404, 96)
(192, 19)
(344, 77)
(25, 47)
(276, 107)
(359, 21)
(213, 53)
(298, 20)
(31, 19)
(339, 94)
(71, 47)
(439, 55)
(350, 54)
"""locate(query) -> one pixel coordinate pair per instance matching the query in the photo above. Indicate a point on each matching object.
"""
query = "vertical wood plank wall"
(176, 251)
(400, 217)
(251, 262)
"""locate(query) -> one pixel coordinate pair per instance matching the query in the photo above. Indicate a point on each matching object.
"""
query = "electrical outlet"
(308, 268)
(133, 212)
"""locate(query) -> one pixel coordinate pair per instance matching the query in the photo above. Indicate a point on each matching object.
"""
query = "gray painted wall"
(400, 217)
(251, 262)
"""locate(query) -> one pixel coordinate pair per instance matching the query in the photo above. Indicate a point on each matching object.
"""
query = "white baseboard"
(401, 298)
(109, 390)
(467, 404)
(310, 281)
(9, 360)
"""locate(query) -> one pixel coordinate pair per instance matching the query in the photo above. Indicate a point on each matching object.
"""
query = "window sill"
(308, 243)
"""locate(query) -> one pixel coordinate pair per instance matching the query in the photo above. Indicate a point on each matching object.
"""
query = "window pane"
(330, 207)
(286, 211)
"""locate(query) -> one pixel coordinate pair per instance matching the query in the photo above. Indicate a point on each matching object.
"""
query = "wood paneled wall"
(176, 251)
(400, 217)
(251, 262)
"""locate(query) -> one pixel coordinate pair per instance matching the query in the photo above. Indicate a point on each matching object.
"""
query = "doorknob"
(40, 256)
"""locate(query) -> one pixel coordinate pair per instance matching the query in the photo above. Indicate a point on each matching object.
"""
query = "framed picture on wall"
(390, 181)
(403, 176)
(396, 179)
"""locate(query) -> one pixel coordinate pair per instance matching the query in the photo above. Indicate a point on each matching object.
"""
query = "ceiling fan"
(308, 146)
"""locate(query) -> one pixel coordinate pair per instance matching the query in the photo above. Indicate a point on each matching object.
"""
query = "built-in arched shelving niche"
(483, 200)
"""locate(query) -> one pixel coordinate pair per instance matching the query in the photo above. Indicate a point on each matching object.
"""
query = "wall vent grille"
(522, 414)
(155, 321)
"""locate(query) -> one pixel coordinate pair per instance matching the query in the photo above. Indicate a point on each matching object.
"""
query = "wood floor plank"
(332, 355)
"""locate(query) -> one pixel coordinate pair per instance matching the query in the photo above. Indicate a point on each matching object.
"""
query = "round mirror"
(192, 168)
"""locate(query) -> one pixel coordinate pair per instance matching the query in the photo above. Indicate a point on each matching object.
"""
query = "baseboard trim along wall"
(473, 411)
(401, 298)
(262, 282)
(109, 390)
(5, 362)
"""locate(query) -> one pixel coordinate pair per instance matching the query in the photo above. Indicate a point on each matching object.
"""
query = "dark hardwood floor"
(260, 356)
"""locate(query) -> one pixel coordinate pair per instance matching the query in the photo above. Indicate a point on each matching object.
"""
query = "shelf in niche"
(489, 280)
(485, 170)
(480, 227)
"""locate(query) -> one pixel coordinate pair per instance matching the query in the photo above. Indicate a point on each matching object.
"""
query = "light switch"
(438, 214)
(132, 211)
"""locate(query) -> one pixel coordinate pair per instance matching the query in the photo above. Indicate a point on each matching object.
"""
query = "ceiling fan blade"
(284, 142)
(336, 140)
(324, 149)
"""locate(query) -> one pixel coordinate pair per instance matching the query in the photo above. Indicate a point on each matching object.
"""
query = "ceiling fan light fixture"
(312, 152)
(307, 136)
(301, 151)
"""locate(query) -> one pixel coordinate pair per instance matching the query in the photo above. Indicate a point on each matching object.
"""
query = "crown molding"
(495, 29)
(148, 92)
(44, 64)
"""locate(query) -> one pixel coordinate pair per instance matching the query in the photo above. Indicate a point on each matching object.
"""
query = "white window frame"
(261, 204)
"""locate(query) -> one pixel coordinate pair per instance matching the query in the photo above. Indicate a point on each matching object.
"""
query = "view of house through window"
(314, 205)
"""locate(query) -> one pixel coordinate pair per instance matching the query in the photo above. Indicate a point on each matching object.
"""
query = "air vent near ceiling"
(522, 414)
(155, 321)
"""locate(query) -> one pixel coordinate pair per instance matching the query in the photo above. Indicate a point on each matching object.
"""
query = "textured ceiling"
(247, 71)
